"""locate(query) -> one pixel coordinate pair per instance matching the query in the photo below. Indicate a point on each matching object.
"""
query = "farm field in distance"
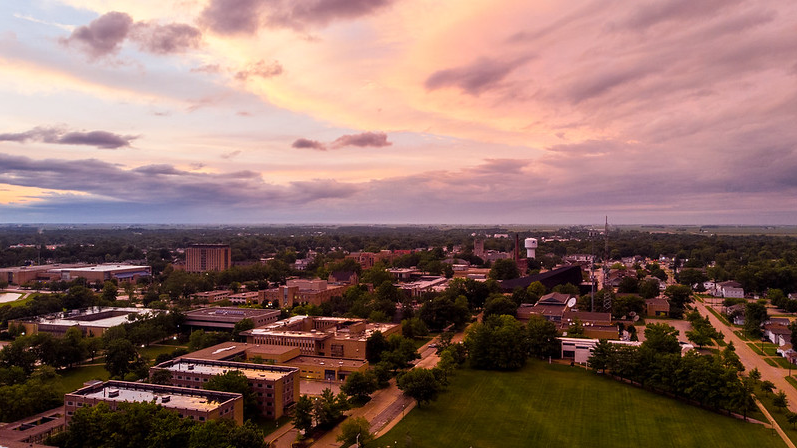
(559, 405)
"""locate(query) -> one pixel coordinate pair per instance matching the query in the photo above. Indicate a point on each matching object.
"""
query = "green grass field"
(73, 379)
(557, 405)
(152, 352)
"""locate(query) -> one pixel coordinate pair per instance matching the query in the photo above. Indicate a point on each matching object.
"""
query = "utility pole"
(607, 298)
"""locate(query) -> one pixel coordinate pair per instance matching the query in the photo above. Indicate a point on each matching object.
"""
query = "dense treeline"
(710, 380)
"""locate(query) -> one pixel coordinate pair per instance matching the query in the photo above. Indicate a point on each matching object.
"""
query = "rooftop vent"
(190, 367)
(113, 393)
(166, 398)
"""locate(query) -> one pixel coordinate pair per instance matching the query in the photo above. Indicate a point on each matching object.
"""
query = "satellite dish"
(636, 318)
(572, 302)
(632, 313)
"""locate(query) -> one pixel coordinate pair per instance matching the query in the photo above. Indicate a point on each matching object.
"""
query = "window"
(204, 380)
(68, 412)
(201, 419)
(69, 403)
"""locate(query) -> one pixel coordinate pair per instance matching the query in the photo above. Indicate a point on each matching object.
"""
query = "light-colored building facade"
(225, 318)
(91, 321)
(201, 405)
(275, 387)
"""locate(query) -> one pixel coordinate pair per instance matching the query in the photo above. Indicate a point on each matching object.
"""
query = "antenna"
(607, 298)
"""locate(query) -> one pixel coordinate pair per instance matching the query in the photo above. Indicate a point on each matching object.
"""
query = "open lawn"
(152, 352)
(73, 379)
(558, 405)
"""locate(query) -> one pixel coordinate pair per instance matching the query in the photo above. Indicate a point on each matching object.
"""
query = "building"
(208, 257)
(275, 387)
(212, 296)
(777, 333)
(729, 289)
(91, 321)
(657, 307)
(102, 273)
(244, 298)
(579, 350)
(43, 273)
(299, 291)
(310, 367)
(550, 306)
(201, 405)
(423, 284)
(343, 278)
(550, 279)
(225, 318)
(367, 260)
(595, 325)
(321, 336)
(32, 430)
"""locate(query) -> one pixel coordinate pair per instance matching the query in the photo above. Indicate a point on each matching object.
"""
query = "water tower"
(531, 247)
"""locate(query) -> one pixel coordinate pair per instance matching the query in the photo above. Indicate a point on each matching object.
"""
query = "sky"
(398, 111)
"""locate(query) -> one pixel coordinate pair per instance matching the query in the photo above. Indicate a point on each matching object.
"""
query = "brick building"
(201, 405)
(208, 257)
(225, 318)
(275, 387)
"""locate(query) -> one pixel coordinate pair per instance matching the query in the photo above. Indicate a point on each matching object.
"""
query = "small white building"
(579, 350)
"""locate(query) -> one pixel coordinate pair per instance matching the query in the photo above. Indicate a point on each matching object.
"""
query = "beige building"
(275, 387)
(225, 318)
(300, 291)
(321, 336)
(208, 257)
(91, 321)
(201, 405)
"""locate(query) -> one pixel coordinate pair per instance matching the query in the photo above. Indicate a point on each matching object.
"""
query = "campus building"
(321, 336)
(93, 273)
(201, 405)
(225, 318)
(310, 367)
(91, 321)
(208, 257)
(299, 291)
(275, 387)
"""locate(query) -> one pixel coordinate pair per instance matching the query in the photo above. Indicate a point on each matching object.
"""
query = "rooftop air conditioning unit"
(113, 393)
(166, 398)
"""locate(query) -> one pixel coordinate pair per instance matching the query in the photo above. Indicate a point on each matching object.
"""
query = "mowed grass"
(72, 379)
(557, 405)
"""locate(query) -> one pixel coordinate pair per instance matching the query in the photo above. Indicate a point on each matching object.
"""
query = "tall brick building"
(208, 257)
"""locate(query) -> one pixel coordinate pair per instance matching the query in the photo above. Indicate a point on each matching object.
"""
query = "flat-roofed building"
(233, 351)
(201, 405)
(106, 272)
(321, 336)
(31, 430)
(208, 257)
(298, 291)
(91, 321)
(275, 387)
(225, 318)
(243, 298)
(19, 275)
(212, 296)
(326, 368)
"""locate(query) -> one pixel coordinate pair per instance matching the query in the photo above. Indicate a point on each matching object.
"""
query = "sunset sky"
(398, 111)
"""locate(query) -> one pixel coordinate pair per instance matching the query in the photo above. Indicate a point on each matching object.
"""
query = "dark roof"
(560, 276)
(342, 276)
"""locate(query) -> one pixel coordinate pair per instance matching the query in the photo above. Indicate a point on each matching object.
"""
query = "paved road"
(751, 360)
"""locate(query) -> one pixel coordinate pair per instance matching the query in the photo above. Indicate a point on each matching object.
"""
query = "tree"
(678, 296)
(767, 386)
(161, 376)
(109, 292)
(500, 305)
(359, 385)
(754, 316)
(661, 338)
(691, 277)
(602, 356)
(625, 305)
(303, 414)
(700, 335)
(780, 401)
(355, 430)
(415, 327)
(235, 381)
(628, 285)
(500, 343)
(791, 417)
(649, 288)
(121, 358)
(420, 384)
(243, 325)
(542, 336)
(328, 408)
(504, 269)
(374, 346)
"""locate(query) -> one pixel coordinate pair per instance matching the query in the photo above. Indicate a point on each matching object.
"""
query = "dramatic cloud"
(365, 139)
(304, 143)
(261, 68)
(105, 35)
(484, 74)
(230, 17)
(165, 39)
(362, 140)
(99, 139)
(163, 184)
